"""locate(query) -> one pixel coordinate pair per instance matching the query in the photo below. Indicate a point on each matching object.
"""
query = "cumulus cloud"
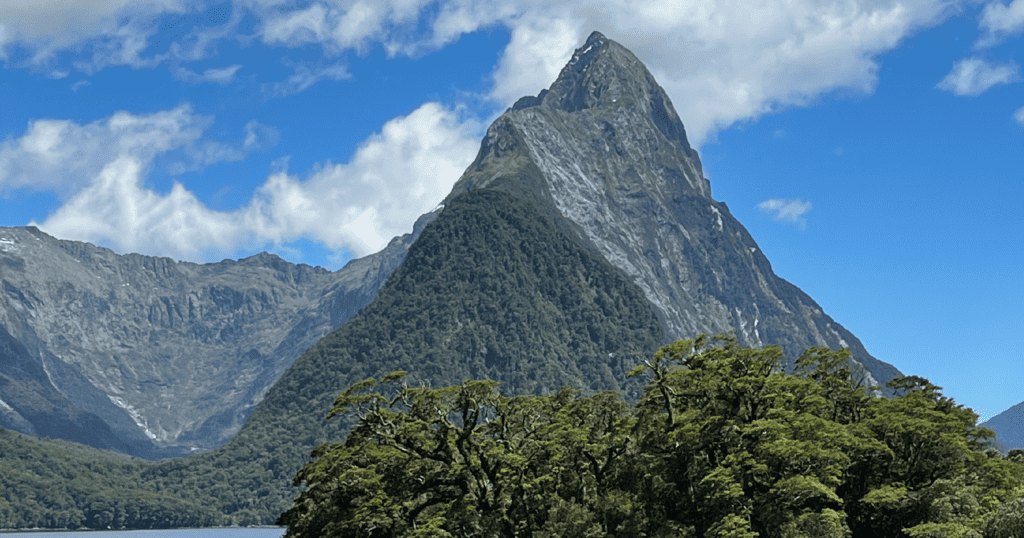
(1000, 21)
(974, 76)
(394, 176)
(1019, 116)
(64, 157)
(786, 210)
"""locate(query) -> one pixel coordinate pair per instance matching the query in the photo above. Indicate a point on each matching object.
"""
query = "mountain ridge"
(116, 335)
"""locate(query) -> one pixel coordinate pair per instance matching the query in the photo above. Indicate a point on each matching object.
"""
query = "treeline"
(721, 444)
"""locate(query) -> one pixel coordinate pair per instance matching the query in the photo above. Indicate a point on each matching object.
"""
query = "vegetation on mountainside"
(491, 289)
(721, 444)
(59, 484)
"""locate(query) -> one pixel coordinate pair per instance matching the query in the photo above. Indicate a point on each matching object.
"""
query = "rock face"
(168, 356)
(604, 148)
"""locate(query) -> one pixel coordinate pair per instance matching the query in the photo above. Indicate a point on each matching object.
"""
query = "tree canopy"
(722, 443)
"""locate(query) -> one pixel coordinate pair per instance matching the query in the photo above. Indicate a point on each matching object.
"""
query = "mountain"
(604, 148)
(155, 357)
(1009, 428)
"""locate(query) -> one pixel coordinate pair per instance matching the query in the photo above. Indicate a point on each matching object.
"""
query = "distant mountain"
(161, 356)
(1009, 428)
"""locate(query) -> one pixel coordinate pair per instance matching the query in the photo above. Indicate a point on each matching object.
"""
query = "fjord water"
(258, 532)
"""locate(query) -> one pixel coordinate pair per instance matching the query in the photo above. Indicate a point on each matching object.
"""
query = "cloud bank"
(395, 176)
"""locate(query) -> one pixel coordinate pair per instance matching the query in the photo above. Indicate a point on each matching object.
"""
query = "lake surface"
(261, 532)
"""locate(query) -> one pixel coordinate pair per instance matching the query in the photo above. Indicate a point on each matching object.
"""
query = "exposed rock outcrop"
(170, 356)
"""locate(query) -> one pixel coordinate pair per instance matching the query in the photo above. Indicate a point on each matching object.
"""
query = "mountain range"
(162, 357)
(581, 238)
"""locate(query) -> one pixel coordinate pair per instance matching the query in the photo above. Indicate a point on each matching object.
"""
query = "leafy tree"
(722, 443)
(465, 461)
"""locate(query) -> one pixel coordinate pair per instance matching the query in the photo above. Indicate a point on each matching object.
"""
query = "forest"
(722, 443)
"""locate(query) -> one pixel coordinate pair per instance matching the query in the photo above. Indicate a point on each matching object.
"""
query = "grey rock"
(170, 356)
(604, 148)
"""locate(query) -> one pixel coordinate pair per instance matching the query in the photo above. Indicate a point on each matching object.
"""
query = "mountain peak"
(602, 74)
(595, 38)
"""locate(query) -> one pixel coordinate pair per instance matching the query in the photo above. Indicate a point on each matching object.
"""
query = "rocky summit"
(604, 148)
(162, 357)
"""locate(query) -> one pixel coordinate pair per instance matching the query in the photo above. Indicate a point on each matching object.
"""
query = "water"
(261, 532)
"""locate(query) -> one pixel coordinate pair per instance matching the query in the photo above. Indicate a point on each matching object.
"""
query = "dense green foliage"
(58, 484)
(492, 288)
(722, 444)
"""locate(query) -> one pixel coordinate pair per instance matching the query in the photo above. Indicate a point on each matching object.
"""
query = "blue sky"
(873, 148)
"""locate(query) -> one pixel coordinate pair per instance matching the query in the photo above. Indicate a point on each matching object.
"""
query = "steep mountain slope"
(168, 355)
(33, 404)
(604, 147)
(1009, 428)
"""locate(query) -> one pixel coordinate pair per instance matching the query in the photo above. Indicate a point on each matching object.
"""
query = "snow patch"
(717, 216)
(8, 245)
(3, 405)
(136, 415)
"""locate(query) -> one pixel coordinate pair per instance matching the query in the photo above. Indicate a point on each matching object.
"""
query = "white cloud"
(304, 77)
(999, 21)
(62, 156)
(394, 176)
(1018, 116)
(114, 210)
(974, 76)
(786, 210)
(721, 62)
(222, 76)
(79, 84)
(49, 27)
(339, 25)
(541, 49)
